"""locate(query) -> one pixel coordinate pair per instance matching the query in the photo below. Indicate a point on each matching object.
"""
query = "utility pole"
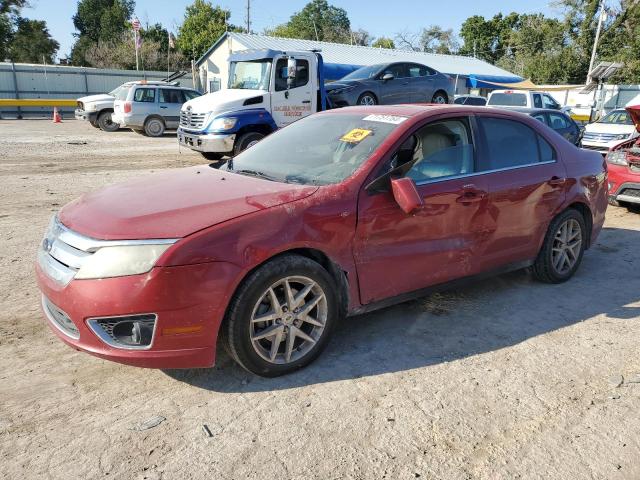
(603, 15)
(248, 16)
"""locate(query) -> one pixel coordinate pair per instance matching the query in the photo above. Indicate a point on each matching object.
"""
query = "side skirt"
(457, 283)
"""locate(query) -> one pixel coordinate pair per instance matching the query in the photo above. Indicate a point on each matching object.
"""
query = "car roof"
(410, 110)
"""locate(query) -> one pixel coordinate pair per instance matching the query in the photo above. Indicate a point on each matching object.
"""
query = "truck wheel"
(246, 140)
(368, 99)
(212, 155)
(440, 98)
(562, 248)
(154, 127)
(94, 123)
(282, 316)
(106, 124)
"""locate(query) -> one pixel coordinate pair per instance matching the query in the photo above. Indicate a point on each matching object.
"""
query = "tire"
(253, 299)
(545, 267)
(105, 123)
(154, 127)
(246, 140)
(212, 155)
(94, 123)
(440, 98)
(367, 99)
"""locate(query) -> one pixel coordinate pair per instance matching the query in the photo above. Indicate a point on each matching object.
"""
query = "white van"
(522, 99)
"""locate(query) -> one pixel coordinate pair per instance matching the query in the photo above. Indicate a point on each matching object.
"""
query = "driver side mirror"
(387, 77)
(406, 194)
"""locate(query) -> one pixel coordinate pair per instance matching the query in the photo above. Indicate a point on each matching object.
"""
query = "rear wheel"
(282, 316)
(440, 98)
(562, 249)
(246, 140)
(367, 99)
(106, 124)
(154, 127)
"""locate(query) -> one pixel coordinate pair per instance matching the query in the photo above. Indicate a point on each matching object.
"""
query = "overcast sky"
(379, 17)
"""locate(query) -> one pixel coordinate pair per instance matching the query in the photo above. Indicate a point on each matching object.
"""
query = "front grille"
(188, 119)
(600, 137)
(631, 192)
(118, 332)
(597, 149)
(60, 319)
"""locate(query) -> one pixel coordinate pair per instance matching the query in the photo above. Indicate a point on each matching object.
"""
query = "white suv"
(522, 99)
(615, 127)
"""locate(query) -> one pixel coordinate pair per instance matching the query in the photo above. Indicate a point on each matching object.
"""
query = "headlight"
(224, 123)
(622, 136)
(118, 261)
(618, 157)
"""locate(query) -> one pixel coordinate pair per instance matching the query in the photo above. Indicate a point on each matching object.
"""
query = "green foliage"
(103, 19)
(156, 34)
(317, 21)
(383, 42)
(12, 6)
(31, 42)
(203, 25)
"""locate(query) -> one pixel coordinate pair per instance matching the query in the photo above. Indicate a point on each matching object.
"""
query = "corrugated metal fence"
(23, 81)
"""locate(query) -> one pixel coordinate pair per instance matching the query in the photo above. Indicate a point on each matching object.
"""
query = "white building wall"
(215, 70)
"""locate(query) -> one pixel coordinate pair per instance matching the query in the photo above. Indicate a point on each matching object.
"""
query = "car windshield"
(508, 99)
(252, 75)
(317, 150)
(617, 117)
(363, 73)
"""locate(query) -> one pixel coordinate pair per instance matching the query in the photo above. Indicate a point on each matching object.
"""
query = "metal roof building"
(470, 71)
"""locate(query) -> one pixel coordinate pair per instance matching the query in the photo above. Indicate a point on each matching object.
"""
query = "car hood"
(608, 128)
(224, 100)
(103, 97)
(174, 204)
(634, 111)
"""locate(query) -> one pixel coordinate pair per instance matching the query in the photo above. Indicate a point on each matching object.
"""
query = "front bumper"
(624, 184)
(203, 142)
(86, 116)
(189, 302)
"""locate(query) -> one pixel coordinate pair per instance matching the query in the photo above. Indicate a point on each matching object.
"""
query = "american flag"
(172, 43)
(135, 23)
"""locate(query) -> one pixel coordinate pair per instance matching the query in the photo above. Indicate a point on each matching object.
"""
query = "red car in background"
(624, 168)
(340, 213)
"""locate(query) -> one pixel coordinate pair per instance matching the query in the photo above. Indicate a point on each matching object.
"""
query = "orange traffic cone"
(57, 118)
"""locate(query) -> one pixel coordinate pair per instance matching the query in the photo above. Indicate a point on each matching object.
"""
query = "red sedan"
(624, 168)
(337, 214)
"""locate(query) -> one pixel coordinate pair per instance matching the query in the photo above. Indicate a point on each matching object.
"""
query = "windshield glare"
(252, 75)
(317, 150)
(116, 91)
(617, 117)
(363, 73)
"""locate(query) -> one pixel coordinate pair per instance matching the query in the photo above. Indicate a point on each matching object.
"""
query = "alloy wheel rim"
(367, 100)
(288, 320)
(439, 99)
(567, 244)
(252, 143)
(155, 127)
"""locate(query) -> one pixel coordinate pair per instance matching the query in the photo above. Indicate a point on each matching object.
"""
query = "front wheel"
(281, 318)
(563, 247)
(367, 99)
(106, 124)
(246, 140)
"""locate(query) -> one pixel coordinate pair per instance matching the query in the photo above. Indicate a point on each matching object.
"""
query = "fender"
(253, 116)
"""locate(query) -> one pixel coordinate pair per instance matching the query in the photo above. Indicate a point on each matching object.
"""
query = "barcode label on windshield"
(396, 120)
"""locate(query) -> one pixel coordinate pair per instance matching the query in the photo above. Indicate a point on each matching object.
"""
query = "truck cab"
(267, 90)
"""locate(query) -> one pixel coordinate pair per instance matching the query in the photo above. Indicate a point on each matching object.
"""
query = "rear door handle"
(306, 101)
(556, 181)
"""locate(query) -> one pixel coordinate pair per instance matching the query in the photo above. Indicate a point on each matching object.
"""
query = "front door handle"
(162, 107)
(556, 181)
(471, 194)
(306, 101)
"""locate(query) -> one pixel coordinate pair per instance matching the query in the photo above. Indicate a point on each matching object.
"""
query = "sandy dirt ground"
(505, 379)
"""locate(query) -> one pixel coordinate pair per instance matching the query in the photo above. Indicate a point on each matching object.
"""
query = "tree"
(203, 25)
(383, 42)
(317, 21)
(435, 39)
(31, 43)
(361, 37)
(9, 10)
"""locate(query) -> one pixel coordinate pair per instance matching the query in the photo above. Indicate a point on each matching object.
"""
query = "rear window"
(508, 99)
(121, 93)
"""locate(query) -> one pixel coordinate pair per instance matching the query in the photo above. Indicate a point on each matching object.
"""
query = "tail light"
(127, 107)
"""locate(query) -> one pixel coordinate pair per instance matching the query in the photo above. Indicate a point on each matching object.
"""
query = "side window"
(442, 149)
(540, 117)
(171, 95)
(416, 70)
(558, 122)
(511, 144)
(398, 70)
(537, 100)
(549, 102)
(479, 102)
(145, 95)
(302, 74)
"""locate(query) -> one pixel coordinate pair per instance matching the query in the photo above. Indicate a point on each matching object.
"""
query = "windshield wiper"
(254, 173)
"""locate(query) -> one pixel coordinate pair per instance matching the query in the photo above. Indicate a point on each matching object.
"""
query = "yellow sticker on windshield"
(356, 135)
